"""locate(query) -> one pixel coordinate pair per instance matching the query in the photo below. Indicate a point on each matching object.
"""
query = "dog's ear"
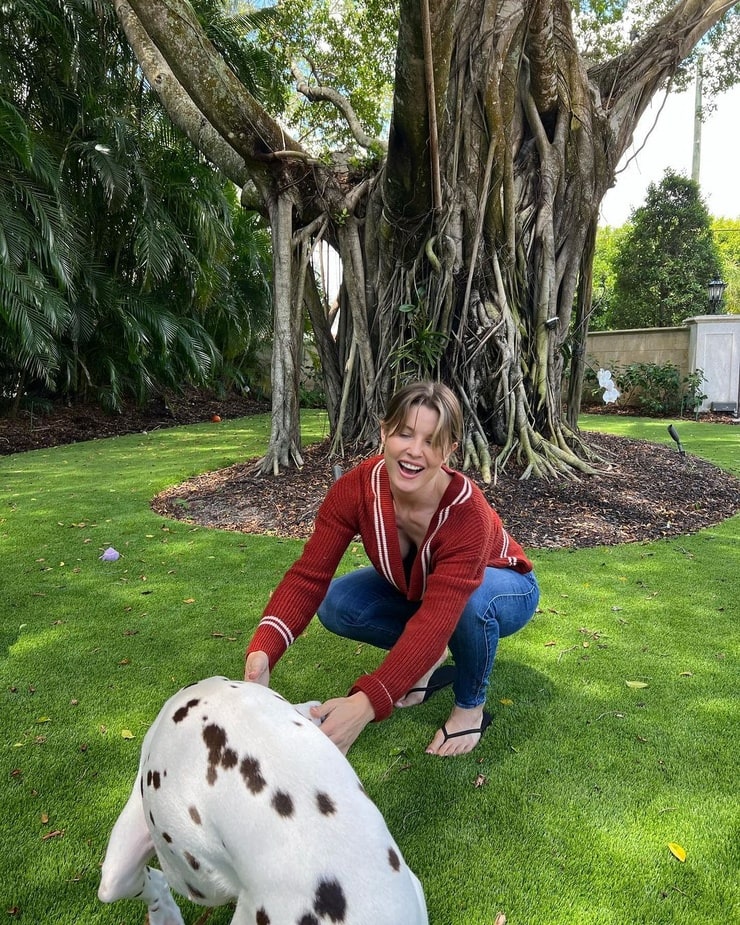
(305, 710)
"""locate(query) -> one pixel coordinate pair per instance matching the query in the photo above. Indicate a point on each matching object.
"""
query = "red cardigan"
(465, 535)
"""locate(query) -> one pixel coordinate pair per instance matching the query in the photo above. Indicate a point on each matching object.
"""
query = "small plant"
(656, 387)
(693, 394)
(424, 344)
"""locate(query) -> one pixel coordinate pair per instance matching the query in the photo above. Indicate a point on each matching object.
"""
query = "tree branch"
(181, 109)
(329, 95)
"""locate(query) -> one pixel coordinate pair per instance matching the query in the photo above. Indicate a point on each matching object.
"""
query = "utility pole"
(696, 159)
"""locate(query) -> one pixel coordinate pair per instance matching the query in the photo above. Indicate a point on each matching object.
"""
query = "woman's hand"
(257, 668)
(344, 718)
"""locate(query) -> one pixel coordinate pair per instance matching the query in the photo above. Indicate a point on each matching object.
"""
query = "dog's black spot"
(308, 919)
(393, 859)
(151, 819)
(215, 738)
(229, 759)
(250, 771)
(194, 893)
(192, 861)
(179, 715)
(282, 803)
(195, 815)
(262, 918)
(167, 838)
(325, 804)
(141, 785)
(330, 901)
(153, 779)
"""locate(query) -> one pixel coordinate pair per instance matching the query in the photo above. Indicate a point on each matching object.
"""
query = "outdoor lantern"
(716, 289)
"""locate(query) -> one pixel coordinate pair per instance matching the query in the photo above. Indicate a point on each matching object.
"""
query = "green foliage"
(423, 344)
(666, 258)
(348, 46)
(608, 242)
(126, 263)
(726, 233)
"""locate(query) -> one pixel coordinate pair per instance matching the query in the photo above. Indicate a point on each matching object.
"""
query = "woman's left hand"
(344, 718)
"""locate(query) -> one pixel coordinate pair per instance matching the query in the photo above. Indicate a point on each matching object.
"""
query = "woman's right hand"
(257, 668)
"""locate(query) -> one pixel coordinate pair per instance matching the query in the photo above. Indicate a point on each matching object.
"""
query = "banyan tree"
(465, 230)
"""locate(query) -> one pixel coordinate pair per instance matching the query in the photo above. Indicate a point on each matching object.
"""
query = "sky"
(671, 145)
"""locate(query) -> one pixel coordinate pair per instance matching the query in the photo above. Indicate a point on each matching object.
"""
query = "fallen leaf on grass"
(506, 702)
(43, 719)
(636, 685)
(189, 600)
(500, 919)
(55, 834)
(480, 780)
(677, 851)
(127, 734)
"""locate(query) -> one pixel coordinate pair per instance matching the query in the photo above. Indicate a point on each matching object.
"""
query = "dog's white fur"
(243, 798)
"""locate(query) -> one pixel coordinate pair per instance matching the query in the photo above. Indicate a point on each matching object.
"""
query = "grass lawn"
(563, 814)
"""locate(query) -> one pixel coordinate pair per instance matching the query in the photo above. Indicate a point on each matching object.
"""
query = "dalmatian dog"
(243, 799)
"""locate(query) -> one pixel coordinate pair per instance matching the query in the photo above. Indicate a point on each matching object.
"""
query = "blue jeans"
(364, 606)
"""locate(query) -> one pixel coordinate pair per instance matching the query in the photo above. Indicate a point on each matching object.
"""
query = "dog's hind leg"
(125, 873)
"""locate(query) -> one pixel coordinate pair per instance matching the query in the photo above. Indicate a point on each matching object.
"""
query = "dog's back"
(246, 799)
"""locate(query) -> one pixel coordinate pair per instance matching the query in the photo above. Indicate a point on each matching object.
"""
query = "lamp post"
(716, 289)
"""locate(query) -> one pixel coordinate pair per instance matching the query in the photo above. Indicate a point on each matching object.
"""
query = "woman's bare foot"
(461, 733)
(412, 700)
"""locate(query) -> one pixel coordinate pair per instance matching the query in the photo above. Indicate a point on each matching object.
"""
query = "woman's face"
(413, 463)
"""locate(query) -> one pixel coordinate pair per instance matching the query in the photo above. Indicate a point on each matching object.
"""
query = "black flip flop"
(466, 732)
(440, 678)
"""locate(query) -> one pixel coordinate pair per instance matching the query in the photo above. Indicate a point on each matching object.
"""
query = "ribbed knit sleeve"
(304, 586)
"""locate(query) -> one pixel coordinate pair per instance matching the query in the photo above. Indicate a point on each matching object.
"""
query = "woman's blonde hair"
(436, 396)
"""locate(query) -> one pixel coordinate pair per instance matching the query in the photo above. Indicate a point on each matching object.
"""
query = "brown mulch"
(647, 491)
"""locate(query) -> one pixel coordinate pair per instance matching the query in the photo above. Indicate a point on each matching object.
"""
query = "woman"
(444, 573)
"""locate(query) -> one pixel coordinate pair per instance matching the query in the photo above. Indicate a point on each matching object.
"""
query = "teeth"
(410, 467)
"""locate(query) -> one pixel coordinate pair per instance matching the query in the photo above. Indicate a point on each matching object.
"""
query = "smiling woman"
(443, 572)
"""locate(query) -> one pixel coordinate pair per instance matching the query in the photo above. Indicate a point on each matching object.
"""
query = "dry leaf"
(636, 685)
(552, 642)
(127, 734)
(506, 702)
(500, 919)
(55, 834)
(189, 600)
(677, 851)
(480, 780)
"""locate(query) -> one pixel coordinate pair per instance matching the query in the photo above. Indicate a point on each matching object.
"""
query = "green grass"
(562, 815)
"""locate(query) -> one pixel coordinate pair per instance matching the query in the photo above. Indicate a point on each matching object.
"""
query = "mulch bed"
(648, 491)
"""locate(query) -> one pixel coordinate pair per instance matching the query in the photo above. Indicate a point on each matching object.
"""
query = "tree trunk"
(285, 435)
(464, 250)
